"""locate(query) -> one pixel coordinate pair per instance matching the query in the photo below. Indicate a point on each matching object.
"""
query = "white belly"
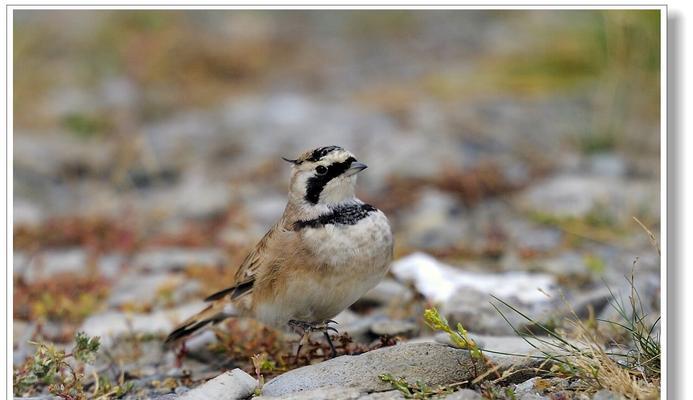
(355, 259)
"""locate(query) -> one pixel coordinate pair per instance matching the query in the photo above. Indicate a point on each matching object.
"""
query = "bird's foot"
(306, 328)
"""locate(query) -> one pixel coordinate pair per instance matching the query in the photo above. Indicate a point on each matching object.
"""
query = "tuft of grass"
(582, 354)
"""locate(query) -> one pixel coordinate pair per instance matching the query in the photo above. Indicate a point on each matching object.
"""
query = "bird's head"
(324, 176)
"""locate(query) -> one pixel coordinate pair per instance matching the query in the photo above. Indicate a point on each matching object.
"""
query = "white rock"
(231, 385)
(438, 281)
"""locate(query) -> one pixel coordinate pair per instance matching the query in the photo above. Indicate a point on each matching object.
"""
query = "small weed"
(492, 391)
(61, 374)
(459, 337)
(418, 390)
(262, 364)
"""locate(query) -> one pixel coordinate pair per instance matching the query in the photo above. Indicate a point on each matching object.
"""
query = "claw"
(329, 328)
(331, 321)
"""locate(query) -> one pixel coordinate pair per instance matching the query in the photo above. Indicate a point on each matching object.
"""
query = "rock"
(528, 236)
(231, 385)
(474, 311)
(25, 212)
(568, 195)
(527, 390)
(439, 282)
(110, 324)
(198, 197)
(435, 221)
(464, 394)
(394, 328)
(386, 292)
(389, 395)
(508, 352)
(177, 258)
(607, 164)
(338, 393)
(357, 326)
(136, 288)
(431, 363)
(607, 395)
(54, 262)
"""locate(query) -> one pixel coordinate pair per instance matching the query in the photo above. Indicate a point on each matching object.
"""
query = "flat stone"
(231, 385)
(394, 327)
(432, 363)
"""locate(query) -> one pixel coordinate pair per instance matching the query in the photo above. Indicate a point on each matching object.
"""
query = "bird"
(326, 251)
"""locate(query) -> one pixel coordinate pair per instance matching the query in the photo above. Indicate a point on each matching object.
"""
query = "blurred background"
(147, 148)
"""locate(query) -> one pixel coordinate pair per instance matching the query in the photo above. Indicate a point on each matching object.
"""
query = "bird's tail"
(211, 315)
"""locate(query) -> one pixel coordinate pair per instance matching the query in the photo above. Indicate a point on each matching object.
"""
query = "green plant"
(418, 390)
(460, 336)
(52, 369)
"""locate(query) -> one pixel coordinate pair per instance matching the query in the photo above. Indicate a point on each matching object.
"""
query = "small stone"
(527, 390)
(386, 292)
(231, 385)
(54, 262)
(464, 394)
(394, 328)
(607, 164)
(607, 395)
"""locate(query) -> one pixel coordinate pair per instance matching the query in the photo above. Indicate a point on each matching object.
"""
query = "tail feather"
(211, 315)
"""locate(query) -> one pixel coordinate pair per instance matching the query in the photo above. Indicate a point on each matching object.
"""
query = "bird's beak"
(355, 168)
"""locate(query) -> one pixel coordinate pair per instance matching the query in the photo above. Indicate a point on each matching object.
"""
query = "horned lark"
(324, 253)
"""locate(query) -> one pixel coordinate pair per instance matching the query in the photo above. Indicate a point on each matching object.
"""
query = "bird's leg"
(326, 332)
(308, 327)
(299, 327)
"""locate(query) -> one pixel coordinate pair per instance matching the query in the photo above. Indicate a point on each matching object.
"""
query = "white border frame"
(7, 112)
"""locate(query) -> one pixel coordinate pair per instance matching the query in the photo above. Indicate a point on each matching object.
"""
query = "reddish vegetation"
(96, 233)
(68, 297)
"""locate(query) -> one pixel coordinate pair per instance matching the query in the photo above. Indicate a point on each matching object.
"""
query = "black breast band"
(340, 215)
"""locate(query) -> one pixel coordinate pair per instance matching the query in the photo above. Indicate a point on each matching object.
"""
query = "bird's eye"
(321, 170)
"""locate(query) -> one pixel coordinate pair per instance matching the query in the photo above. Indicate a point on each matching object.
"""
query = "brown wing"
(245, 276)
